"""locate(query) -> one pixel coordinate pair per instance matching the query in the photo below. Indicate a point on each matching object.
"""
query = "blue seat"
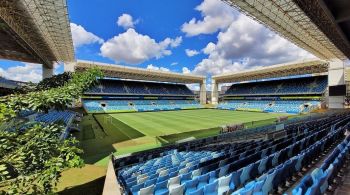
(161, 188)
(191, 186)
(197, 192)
(213, 176)
(268, 186)
(246, 173)
(258, 186)
(324, 179)
(150, 182)
(262, 165)
(136, 188)
(235, 179)
(186, 177)
(203, 180)
(248, 189)
(162, 178)
(299, 164)
(211, 188)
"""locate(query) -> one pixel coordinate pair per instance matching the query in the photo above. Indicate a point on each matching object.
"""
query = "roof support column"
(203, 92)
(214, 92)
(47, 72)
(69, 66)
(336, 77)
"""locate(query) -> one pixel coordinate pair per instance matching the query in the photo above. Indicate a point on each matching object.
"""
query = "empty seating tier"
(55, 116)
(288, 106)
(258, 166)
(123, 87)
(309, 85)
(138, 105)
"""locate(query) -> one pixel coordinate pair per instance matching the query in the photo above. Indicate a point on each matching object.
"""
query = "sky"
(202, 37)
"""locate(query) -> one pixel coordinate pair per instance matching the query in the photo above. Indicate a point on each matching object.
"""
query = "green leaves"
(32, 159)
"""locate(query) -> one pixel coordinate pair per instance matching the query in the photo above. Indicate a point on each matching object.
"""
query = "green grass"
(124, 133)
(172, 122)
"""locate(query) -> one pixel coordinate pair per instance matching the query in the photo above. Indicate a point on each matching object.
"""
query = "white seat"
(196, 173)
(173, 182)
(183, 171)
(224, 184)
(147, 190)
(163, 173)
(179, 190)
(142, 179)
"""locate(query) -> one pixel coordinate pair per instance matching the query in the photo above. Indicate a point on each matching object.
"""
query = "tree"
(32, 157)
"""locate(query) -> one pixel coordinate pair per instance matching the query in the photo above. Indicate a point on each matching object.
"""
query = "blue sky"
(204, 37)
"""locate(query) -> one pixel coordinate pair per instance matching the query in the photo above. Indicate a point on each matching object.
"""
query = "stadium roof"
(279, 70)
(124, 72)
(35, 31)
(321, 27)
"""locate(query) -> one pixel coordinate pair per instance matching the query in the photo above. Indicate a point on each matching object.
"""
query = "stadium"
(103, 128)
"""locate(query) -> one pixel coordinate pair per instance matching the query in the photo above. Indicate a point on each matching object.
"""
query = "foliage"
(55, 81)
(32, 159)
(54, 98)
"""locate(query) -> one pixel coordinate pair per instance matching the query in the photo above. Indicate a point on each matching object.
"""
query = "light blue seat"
(191, 186)
(211, 188)
(203, 180)
(258, 186)
(248, 189)
(299, 164)
(223, 170)
(246, 173)
(262, 165)
(213, 175)
(136, 188)
(324, 179)
(267, 187)
(235, 179)
(197, 192)
(275, 159)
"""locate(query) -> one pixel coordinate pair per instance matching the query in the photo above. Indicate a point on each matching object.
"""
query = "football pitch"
(123, 133)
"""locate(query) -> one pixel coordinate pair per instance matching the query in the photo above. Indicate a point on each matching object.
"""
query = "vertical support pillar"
(336, 77)
(69, 66)
(203, 92)
(47, 72)
(214, 92)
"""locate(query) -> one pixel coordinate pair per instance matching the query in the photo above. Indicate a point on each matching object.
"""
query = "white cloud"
(126, 21)
(134, 48)
(185, 70)
(152, 67)
(216, 16)
(174, 63)
(82, 37)
(246, 44)
(26, 72)
(190, 52)
(194, 86)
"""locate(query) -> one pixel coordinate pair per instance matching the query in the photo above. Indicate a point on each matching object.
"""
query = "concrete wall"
(69, 66)
(214, 92)
(47, 72)
(336, 76)
(203, 92)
